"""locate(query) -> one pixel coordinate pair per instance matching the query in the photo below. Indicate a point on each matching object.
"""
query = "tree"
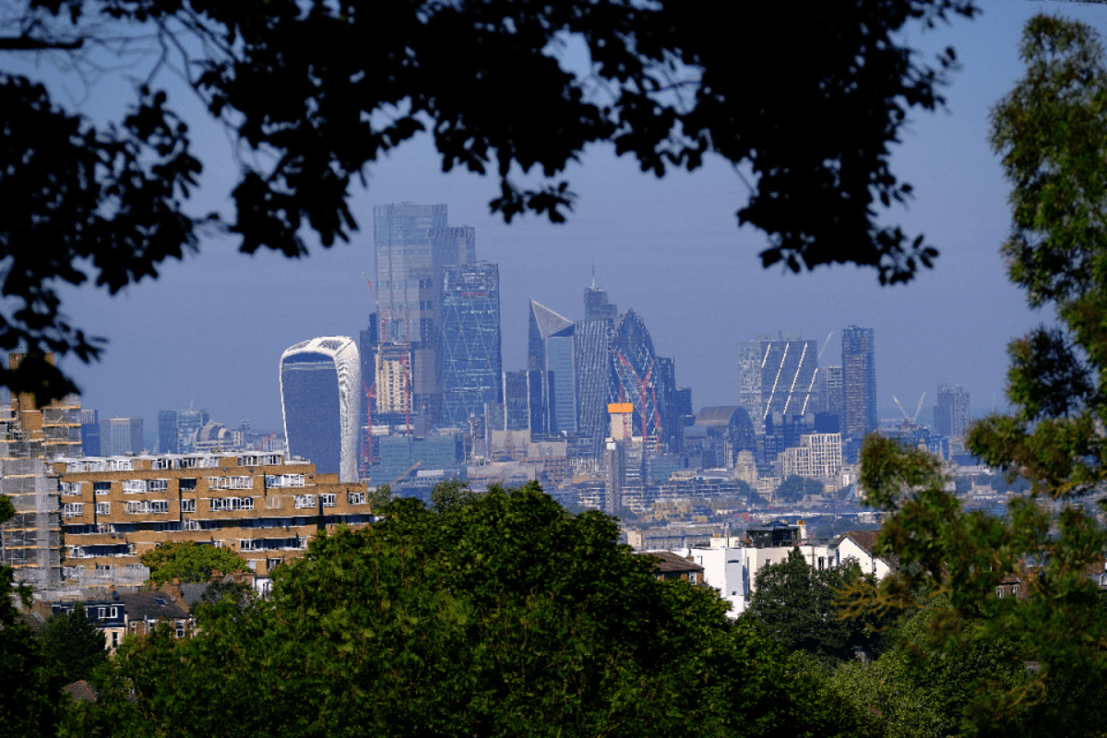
(190, 562)
(798, 606)
(924, 695)
(504, 616)
(30, 691)
(314, 92)
(73, 644)
(795, 488)
(1049, 131)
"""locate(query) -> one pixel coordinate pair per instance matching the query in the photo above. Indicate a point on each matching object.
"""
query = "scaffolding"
(30, 542)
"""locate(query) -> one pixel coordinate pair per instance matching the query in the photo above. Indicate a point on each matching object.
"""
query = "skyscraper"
(321, 403)
(631, 375)
(177, 430)
(550, 352)
(951, 414)
(858, 382)
(777, 377)
(471, 359)
(121, 436)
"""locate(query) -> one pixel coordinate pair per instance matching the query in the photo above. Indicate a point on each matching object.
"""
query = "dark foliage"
(73, 644)
(325, 89)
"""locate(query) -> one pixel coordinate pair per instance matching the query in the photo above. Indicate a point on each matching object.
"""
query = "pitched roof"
(667, 561)
(151, 606)
(80, 691)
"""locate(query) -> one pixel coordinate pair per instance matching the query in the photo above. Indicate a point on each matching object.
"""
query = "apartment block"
(262, 505)
(818, 456)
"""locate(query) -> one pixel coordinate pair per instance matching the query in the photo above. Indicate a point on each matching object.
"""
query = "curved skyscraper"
(321, 403)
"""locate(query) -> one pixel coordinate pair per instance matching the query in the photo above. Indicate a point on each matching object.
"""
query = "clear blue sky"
(211, 329)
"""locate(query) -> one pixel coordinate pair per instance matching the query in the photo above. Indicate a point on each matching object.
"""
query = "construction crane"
(381, 308)
(909, 421)
(403, 476)
(825, 344)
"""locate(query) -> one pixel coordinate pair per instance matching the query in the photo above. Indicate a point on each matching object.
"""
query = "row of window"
(215, 504)
(218, 504)
(284, 480)
(237, 482)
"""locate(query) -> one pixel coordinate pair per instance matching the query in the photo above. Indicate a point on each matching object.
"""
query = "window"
(101, 488)
(73, 509)
(70, 488)
(999, 591)
(245, 544)
(101, 612)
(187, 485)
(180, 629)
(157, 485)
(103, 508)
(271, 460)
(159, 506)
(246, 482)
(284, 480)
(122, 464)
(188, 506)
(328, 499)
(231, 503)
(115, 638)
(114, 611)
(355, 498)
(303, 501)
(133, 486)
(148, 506)
(163, 464)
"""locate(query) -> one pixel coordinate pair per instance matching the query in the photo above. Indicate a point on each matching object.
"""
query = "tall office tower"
(90, 432)
(471, 360)
(951, 414)
(631, 375)
(523, 404)
(413, 245)
(121, 436)
(321, 403)
(665, 391)
(777, 377)
(596, 306)
(177, 430)
(858, 382)
(368, 341)
(590, 348)
(830, 383)
(550, 352)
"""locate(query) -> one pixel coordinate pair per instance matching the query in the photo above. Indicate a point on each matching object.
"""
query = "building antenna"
(593, 275)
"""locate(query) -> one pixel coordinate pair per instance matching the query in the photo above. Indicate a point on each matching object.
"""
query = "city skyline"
(210, 329)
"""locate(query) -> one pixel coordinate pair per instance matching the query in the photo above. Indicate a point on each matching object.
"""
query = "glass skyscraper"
(321, 403)
(471, 357)
(550, 352)
(858, 382)
(951, 414)
(777, 376)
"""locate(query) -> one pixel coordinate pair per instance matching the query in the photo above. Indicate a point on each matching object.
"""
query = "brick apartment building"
(259, 504)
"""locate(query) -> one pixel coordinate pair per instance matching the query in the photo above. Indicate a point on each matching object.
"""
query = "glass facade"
(471, 356)
(951, 414)
(320, 397)
(631, 375)
(778, 377)
(858, 382)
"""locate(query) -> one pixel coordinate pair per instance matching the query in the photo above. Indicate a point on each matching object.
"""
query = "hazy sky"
(211, 330)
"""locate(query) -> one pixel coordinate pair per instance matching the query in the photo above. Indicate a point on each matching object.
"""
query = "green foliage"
(1050, 133)
(318, 87)
(451, 495)
(189, 562)
(73, 644)
(922, 694)
(799, 606)
(380, 498)
(505, 616)
(795, 488)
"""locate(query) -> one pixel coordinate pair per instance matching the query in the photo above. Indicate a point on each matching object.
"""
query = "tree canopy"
(73, 644)
(799, 606)
(314, 92)
(190, 562)
(1050, 546)
(502, 616)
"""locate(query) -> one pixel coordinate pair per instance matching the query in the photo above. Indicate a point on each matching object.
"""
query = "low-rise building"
(263, 506)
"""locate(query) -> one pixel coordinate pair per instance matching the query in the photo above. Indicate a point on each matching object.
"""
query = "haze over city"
(210, 330)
